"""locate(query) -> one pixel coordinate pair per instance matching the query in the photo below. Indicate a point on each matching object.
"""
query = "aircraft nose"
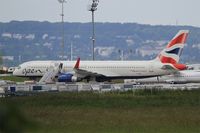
(16, 72)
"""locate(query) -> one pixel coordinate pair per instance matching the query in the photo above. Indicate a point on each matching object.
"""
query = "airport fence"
(26, 89)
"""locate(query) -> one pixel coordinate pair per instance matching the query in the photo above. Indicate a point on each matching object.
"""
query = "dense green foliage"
(141, 111)
(14, 78)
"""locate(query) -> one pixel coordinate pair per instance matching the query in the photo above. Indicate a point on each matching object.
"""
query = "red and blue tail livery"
(171, 54)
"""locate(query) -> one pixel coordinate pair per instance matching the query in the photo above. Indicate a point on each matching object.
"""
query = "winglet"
(77, 63)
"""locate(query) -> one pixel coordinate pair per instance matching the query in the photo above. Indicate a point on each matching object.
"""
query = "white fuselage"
(112, 69)
(186, 76)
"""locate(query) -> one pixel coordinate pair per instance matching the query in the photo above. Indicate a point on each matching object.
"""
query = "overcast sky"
(164, 12)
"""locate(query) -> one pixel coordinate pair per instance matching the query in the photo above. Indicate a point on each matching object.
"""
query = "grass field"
(130, 112)
(14, 78)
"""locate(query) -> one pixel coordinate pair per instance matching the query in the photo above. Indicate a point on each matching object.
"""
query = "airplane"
(73, 71)
(181, 77)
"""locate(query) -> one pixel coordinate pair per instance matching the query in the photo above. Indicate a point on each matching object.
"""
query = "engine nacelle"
(67, 78)
(74, 79)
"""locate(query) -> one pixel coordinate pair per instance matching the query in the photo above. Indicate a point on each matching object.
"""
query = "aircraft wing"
(80, 72)
(84, 73)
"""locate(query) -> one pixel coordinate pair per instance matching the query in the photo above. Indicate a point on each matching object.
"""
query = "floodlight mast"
(93, 8)
(62, 21)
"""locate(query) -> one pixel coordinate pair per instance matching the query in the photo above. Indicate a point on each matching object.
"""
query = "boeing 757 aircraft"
(71, 71)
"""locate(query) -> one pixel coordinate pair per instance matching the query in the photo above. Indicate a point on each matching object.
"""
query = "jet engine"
(67, 77)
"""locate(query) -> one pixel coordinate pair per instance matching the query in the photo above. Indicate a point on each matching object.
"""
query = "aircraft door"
(151, 68)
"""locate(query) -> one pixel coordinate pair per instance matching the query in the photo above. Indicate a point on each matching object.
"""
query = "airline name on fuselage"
(31, 71)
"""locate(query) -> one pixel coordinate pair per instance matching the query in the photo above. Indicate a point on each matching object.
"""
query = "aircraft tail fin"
(77, 63)
(171, 54)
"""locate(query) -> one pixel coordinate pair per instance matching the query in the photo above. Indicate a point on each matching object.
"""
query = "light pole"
(62, 21)
(93, 8)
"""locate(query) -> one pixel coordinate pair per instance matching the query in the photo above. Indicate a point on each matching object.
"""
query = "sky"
(154, 12)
